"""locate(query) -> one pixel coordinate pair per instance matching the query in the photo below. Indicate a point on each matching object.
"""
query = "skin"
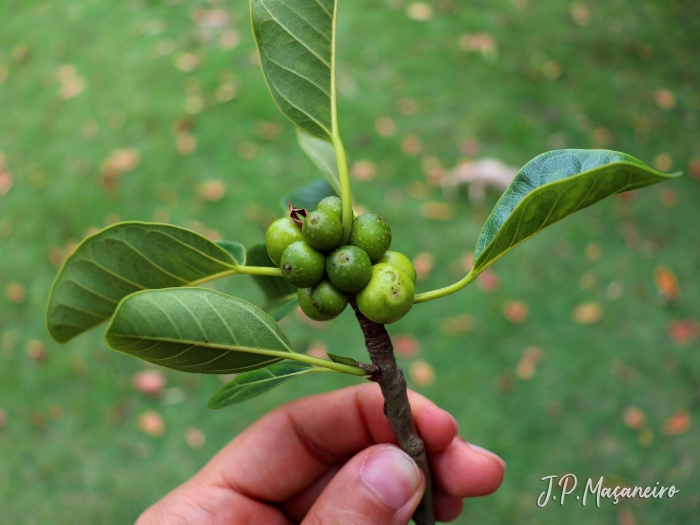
(316, 460)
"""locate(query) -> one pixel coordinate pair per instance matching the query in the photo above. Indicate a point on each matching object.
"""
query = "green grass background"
(70, 449)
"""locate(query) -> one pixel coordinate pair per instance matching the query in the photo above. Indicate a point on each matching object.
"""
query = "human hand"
(331, 458)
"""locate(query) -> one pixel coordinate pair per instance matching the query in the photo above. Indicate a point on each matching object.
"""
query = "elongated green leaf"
(296, 40)
(322, 154)
(309, 195)
(235, 250)
(197, 330)
(551, 187)
(124, 259)
(280, 296)
(251, 384)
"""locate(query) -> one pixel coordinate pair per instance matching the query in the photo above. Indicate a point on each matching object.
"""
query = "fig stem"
(396, 406)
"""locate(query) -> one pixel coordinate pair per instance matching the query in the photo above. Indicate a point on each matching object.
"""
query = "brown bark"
(396, 407)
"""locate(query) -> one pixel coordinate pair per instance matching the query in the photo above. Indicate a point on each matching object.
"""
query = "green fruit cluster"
(328, 273)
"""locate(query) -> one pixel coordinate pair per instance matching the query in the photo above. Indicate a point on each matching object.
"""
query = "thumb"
(381, 485)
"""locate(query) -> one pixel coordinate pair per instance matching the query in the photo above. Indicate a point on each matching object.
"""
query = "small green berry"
(388, 296)
(322, 230)
(332, 205)
(307, 306)
(301, 265)
(328, 299)
(279, 235)
(349, 268)
(402, 262)
(371, 233)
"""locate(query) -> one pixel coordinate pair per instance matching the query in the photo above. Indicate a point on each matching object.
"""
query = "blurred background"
(576, 353)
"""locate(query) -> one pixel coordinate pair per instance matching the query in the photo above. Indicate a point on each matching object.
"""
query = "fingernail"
(485, 452)
(392, 475)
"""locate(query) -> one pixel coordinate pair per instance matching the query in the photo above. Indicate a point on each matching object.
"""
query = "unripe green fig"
(307, 306)
(402, 262)
(328, 299)
(301, 265)
(279, 235)
(322, 230)
(388, 295)
(349, 268)
(371, 233)
(333, 205)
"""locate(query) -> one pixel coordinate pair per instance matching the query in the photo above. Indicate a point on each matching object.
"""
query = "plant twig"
(397, 408)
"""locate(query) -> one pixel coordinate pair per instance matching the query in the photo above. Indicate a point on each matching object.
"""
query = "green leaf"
(235, 250)
(278, 309)
(322, 154)
(197, 330)
(121, 260)
(275, 289)
(296, 40)
(251, 384)
(309, 195)
(551, 187)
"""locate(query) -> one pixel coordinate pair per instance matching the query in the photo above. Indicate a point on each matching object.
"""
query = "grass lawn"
(565, 360)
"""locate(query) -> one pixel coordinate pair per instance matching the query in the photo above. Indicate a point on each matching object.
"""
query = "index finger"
(289, 448)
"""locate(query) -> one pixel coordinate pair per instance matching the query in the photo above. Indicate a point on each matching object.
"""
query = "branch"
(396, 406)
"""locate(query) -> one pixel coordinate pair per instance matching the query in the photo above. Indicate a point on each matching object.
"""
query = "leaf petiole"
(245, 270)
(447, 290)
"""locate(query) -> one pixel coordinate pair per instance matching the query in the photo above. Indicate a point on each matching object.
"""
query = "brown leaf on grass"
(6, 182)
(434, 171)
(268, 130)
(678, 423)
(4, 73)
(459, 324)
(38, 420)
(587, 313)
(149, 382)
(3, 418)
(187, 62)
(594, 251)
(665, 99)
(121, 160)
(407, 106)
(684, 332)
(363, 170)
(411, 145)
(668, 197)
(625, 517)
(36, 350)
(580, 13)
(663, 162)
(483, 43)
(186, 144)
(423, 263)
(195, 437)
(151, 422)
(406, 345)
(420, 11)
(16, 293)
(634, 418)
(528, 362)
(488, 281)
(436, 211)
(694, 169)
(515, 311)
(212, 190)
(666, 284)
(385, 126)
(229, 39)
(422, 373)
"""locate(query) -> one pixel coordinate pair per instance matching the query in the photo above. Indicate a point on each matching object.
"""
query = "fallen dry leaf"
(212, 190)
(677, 423)
(121, 160)
(587, 313)
(363, 170)
(594, 251)
(16, 292)
(666, 284)
(3, 418)
(436, 211)
(187, 62)
(528, 362)
(683, 332)
(151, 423)
(634, 418)
(668, 197)
(663, 162)
(625, 517)
(515, 311)
(665, 99)
(580, 14)
(459, 324)
(6, 182)
(229, 39)
(407, 106)
(406, 345)
(483, 43)
(150, 382)
(385, 126)
(423, 263)
(694, 169)
(411, 145)
(488, 281)
(36, 350)
(420, 11)
(186, 144)
(422, 373)
(195, 437)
